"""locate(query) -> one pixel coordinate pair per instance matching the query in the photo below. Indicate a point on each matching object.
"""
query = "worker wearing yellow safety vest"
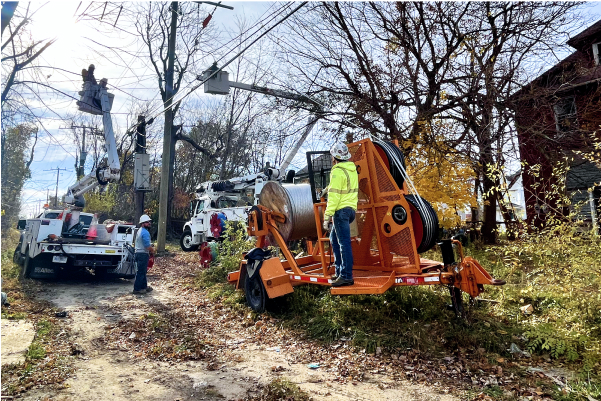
(343, 193)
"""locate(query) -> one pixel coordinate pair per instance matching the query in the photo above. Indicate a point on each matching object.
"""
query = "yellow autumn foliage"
(444, 178)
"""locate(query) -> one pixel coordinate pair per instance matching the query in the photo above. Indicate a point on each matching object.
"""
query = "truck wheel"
(26, 270)
(38, 268)
(186, 242)
(17, 255)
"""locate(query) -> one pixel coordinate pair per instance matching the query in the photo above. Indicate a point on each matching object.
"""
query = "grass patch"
(281, 389)
(14, 315)
(36, 351)
(558, 272)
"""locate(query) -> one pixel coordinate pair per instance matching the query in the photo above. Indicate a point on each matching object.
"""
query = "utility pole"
(58, 170)
(167, 133)
(80, 164)
(140, 166)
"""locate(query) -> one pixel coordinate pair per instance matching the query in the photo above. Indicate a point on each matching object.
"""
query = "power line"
(233, 58)
(58, 170)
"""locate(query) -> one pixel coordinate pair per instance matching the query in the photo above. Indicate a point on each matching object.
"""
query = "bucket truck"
(231, 200)
(70, 241)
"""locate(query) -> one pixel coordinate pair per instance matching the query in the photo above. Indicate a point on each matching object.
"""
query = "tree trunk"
(489, 188)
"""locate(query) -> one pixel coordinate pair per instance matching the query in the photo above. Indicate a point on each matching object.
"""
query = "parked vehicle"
(68, 239)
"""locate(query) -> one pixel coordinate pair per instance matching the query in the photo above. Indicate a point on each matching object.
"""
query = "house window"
(565, 115)
(597, 53)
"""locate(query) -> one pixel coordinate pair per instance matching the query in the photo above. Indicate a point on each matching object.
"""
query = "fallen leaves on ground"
(52, 366)
(193, 327)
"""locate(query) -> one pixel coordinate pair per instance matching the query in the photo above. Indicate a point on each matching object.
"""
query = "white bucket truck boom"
(69, 242)
(232, 199)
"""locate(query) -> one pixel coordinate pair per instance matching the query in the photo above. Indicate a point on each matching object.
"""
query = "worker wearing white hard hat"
(343, 192)
(143, 251)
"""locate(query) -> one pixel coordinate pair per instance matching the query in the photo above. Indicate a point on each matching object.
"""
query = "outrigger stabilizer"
(392, 228)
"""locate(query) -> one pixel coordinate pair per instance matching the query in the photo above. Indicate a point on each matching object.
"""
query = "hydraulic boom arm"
(92, 96)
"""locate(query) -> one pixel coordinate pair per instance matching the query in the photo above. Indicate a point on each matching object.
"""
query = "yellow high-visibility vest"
(343, 190)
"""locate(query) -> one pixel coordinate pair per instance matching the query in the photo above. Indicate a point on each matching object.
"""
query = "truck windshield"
(48, 215)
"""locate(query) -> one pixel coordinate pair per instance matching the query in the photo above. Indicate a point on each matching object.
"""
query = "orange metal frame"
(385, 252)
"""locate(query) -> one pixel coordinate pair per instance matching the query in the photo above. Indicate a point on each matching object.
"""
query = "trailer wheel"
(256, 296)
(185, 242)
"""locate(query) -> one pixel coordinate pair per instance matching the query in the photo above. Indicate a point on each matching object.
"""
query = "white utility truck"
(71, 240)
(231, 200)
(216, 201)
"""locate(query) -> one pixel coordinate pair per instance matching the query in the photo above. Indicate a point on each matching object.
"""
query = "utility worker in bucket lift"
(143, 250)
(343, 193)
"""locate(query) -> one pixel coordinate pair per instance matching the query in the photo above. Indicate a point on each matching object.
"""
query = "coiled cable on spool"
(296, 203)
(426, 224)
(396, 161)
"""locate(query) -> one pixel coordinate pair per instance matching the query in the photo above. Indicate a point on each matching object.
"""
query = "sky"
(75, 49)
(77, 46)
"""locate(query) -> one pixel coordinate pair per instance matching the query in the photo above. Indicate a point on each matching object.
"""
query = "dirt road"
(113, 363)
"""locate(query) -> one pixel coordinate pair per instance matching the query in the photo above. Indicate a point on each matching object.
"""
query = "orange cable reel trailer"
(392, 227)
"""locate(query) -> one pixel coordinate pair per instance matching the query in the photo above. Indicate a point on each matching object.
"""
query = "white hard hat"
(340, 151)
(144, 218)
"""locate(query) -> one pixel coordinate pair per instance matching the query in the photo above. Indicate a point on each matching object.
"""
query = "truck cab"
(208, 213)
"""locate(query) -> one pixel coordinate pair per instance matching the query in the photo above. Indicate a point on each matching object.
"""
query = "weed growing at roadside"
(280, 389)
(231, 249)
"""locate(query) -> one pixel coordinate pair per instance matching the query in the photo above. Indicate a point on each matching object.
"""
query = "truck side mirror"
(21, 224)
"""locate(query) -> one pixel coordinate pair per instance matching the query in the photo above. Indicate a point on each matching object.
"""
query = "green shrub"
(229, 255)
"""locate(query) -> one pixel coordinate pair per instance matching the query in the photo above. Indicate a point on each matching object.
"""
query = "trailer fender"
(275, 279)
(248, 267)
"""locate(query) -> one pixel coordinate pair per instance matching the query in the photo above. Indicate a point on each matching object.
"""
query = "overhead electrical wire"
(233, 58)
(261, 24)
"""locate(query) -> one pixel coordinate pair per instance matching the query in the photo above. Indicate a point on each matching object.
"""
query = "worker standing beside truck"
(143, 251)
(343, 193)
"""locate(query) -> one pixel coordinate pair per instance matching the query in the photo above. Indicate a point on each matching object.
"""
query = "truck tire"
(32, 265)
(26, 270)
(185, 242)
(17, 255)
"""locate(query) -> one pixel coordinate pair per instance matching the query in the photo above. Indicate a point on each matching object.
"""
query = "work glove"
(326, 224)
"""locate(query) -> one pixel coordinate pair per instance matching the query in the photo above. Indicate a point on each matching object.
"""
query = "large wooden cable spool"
(294, 202)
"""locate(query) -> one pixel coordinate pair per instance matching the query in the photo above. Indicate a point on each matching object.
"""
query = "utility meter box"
(142, 172)
(219, 84)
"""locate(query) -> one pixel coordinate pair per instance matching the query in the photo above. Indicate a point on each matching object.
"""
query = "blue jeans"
(340, 238)
(142, 266)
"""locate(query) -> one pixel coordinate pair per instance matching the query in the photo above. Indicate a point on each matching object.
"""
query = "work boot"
(334, 278)
(342, 282)
(148, 289)
(139, 292)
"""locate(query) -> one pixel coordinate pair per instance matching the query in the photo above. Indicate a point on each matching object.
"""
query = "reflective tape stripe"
(312, 279)
(344, 191)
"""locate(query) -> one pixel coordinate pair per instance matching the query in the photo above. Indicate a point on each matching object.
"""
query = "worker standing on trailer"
(143, 250)
(343, 193)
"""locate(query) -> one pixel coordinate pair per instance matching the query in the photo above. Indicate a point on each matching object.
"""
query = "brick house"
(558, 116)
